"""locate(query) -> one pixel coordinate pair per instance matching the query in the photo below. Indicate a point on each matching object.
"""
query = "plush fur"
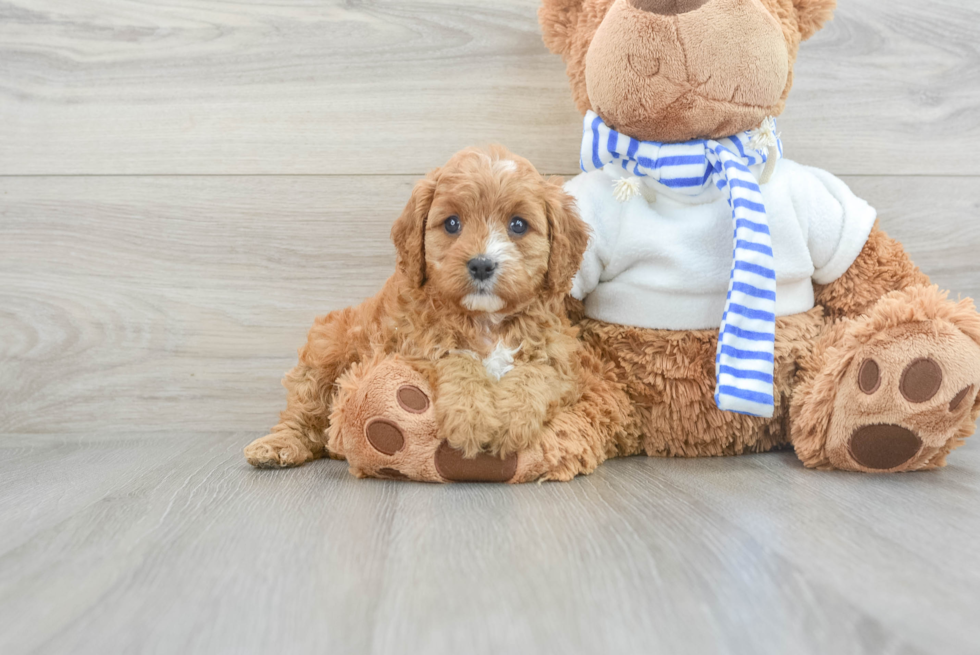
(678, 75)
(491, 366)
(676, 70)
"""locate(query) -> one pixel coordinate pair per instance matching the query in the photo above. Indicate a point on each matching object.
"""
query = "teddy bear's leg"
(894, 389)
(892, 384)
(385, 422)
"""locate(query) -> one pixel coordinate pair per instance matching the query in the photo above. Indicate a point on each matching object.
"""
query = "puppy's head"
(488, 234)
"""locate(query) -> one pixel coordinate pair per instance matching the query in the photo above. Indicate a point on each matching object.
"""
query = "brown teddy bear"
(832, 340)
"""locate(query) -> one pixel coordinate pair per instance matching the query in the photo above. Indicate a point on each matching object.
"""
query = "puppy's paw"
(277, 450)
(464, 404)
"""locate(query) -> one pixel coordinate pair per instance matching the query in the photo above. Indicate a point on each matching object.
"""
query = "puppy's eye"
(517, 225)
(452, 225)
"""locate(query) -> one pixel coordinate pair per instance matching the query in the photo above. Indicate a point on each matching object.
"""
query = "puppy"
(474, 313)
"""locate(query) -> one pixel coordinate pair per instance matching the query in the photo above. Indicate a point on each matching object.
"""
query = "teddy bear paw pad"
(453, 466)
(384, 435)
(388, 425)
(884, 447)
(904, 400)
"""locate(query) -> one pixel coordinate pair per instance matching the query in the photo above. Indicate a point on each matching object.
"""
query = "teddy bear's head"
(675, 70)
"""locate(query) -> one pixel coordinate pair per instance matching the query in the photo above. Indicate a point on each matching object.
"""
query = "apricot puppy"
(464, 366)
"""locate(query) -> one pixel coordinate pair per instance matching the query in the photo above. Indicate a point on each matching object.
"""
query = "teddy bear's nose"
(668, 7)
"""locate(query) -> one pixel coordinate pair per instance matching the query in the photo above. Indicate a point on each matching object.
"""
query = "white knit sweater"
(665, 264)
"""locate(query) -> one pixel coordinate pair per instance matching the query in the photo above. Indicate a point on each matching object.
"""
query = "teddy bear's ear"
(558, 19)
(568, 235)
(811, 15)
(408, 232)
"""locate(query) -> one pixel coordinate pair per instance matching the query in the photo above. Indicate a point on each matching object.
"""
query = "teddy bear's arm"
(882, 266)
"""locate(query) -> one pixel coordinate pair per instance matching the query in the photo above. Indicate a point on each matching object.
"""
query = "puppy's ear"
(811, 15)
(408, 232)
(569, 237)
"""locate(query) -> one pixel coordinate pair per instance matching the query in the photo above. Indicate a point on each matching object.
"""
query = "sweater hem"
(625, 304)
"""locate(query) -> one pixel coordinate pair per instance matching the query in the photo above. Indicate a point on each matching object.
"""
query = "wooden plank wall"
(184, 186)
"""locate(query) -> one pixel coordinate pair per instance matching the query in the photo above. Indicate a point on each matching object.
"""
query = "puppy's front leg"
(464, 404)
(329, 351)
(299, 436)
(527, 398)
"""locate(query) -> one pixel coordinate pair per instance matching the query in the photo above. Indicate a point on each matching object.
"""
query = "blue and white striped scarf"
(744, 362)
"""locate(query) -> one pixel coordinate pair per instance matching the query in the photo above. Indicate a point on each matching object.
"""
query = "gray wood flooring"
(185, 185)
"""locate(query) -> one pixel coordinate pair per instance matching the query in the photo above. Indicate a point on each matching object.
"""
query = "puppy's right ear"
(408, 232)
(558, 19)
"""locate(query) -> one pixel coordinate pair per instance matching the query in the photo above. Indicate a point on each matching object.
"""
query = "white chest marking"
(501, 361)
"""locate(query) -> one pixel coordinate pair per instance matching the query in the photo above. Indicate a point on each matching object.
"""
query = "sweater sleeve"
(597, 207)
(838, 222)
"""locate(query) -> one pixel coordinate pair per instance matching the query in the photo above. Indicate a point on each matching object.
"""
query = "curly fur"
(426, 315)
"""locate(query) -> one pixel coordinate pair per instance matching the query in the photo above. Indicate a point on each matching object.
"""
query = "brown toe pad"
(393, 474)
(921, 380)
(869, 376)
(884, 447)
(483, 468)
(412, 399)
(958, 399)
(385, 436)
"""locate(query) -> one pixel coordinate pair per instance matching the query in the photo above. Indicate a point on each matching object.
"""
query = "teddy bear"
(745, 302)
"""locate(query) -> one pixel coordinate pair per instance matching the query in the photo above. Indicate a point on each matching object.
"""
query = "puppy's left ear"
(569, 237)
(408, 232)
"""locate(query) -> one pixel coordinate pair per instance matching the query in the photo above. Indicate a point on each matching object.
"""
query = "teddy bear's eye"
(452, 225)
(518, 225)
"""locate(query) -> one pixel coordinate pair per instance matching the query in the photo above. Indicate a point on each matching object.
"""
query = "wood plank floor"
(185, 185)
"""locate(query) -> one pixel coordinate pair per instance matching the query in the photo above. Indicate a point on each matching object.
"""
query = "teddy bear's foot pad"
(385, 436)
(884, 447)
(452, 465)
(904, 400)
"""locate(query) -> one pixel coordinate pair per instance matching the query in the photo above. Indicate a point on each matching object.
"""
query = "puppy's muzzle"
(481, 268)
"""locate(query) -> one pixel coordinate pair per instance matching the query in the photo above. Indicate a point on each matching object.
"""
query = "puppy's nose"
(668, 7)
(481, 268)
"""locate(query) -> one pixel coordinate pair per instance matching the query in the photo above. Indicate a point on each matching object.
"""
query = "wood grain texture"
(192, 551)
(175, 302)
(308, 86)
